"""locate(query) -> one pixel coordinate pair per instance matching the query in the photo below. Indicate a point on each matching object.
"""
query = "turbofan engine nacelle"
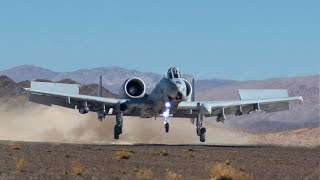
(188, 90)
(133, 88)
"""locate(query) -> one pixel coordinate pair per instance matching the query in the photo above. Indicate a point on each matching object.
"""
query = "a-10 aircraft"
(173, 96)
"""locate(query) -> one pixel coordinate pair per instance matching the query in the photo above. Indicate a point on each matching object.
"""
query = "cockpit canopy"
(173, 73)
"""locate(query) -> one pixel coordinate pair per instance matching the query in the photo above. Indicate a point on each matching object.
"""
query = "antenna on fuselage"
(193, 98)
(100, 87)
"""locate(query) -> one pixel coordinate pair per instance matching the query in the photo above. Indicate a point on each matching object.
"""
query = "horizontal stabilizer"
(253, 94)
(55, 87)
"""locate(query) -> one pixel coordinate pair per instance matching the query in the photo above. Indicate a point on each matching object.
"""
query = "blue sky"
(239, 40)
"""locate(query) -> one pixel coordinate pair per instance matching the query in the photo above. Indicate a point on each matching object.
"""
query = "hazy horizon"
(197, 78)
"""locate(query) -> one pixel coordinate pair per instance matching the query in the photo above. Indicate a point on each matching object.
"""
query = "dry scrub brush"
(144, 174)
(123, 154)
(225, 171)
(77, 168)
(14, 146)
(21, 165)
(162, 153)
(173, 176)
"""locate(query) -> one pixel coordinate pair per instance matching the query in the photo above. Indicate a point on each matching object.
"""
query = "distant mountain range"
(113, 77)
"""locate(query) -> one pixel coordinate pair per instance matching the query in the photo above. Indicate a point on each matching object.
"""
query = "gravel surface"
(55, 161)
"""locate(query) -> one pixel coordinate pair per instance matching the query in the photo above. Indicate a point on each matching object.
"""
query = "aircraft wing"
(67, 95)
(271, 100)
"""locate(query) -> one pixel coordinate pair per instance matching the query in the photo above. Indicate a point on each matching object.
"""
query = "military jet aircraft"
(173, 96)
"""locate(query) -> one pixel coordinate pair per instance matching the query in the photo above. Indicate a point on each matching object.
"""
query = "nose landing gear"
(166, 114)
(166, 127)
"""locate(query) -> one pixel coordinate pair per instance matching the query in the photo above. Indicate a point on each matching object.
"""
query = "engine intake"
(133, 88)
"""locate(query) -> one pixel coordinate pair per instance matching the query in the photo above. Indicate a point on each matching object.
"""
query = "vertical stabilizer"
(100, 87)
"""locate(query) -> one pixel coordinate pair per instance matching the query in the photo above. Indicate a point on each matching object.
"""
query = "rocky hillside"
(8, 87)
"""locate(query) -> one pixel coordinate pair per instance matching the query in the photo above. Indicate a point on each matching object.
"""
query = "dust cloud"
(56, 124)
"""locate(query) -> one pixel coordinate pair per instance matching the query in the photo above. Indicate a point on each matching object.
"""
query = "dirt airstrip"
(80, 147)
(56, 161)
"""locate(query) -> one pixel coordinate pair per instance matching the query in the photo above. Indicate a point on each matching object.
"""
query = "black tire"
(203, 137)
(203, 134)
(166, 126)
(116, 132)
(203, 130)
(120, 129)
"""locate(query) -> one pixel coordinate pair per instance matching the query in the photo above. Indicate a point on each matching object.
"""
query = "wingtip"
(301, 99)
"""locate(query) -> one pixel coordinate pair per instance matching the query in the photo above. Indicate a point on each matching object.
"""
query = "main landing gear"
(118, 126)
(201, 131)
(166, 115)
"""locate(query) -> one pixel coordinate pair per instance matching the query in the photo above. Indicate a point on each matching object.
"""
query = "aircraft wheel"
(116, 132)
(166, 126)
(120, 129)
(203, 134)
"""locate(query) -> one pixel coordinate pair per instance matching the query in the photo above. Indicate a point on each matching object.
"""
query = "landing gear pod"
(83, 108)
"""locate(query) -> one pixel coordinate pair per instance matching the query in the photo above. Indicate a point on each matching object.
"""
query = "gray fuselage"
(172, 90)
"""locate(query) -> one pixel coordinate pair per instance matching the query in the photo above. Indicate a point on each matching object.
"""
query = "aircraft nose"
(178, 89)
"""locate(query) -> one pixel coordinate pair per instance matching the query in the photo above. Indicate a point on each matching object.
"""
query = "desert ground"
(21, 160)
(58, 143)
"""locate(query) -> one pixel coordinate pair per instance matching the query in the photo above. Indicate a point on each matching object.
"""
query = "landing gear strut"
(201, 131)
(118, 126)
(102, 113)
(166, 114)
(166, 123)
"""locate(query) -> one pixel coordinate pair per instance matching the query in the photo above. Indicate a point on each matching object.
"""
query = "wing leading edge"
(250, 101)
(67, 95)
